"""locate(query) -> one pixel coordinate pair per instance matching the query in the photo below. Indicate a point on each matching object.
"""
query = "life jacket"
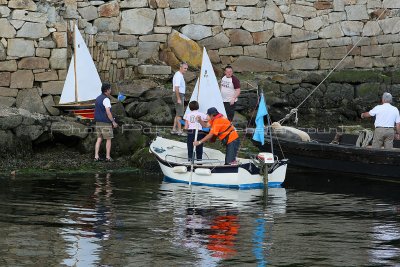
(222, 128)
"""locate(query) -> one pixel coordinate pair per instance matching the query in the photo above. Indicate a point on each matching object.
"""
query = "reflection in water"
(211, 226)
(87, 224)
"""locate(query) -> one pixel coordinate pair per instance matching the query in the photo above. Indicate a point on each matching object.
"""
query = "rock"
(241, 2)
(250, 13)
(277, 49)
(162, 3)
(336, 93)
(20, 48)
(48, 102)
(118, 110)
(110, 9)
(246, 63)
(3, 52)
(58, 59)
(340, 41)
(62, 129)
(317, 44)
(7, 101)
(4, 11)
(299, 35)
(162, 29)
(154, 70)
(282, 29)
(178, 16)
(167, 56)
(304, 64)
(259, 51)
(322, 5)
(157, 112)
(88, 13)
(9, 119)
(22, 4)
(215, 42)
(161, 38)
(351, 28)
(126, 40)
(371, 28)
(43, 52)
(391, 4)
(332, 31)
(231, 51)
(178, 3)
(232, 24)
(148, 50)
(107, 24)
(196, 32)
(240, 37)
(32, 63)
(9, 65)
(302, 11)
(30, 100)
(6, 29)
(33, 132)
(262, 37)
(356, 12)
(137, 21)
(5, 78)
(206, 18)
(390, 25)
(52, 87)
(299, 50)
(22, 79)
(46, 44)
(90, 29)
(46, 76)
(336, 17)
(313, 24)
(216, 5)
(137, 88)
(373, 50)
(273, 12)
(197, 6)
(253, 26)
(338, 5)
(33, 30)
(134, 3)
(333, 52)
(23, 15)
(185, 49)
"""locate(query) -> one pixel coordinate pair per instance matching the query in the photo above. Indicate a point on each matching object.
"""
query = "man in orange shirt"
(222, 128)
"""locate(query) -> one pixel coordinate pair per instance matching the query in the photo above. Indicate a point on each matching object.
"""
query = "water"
(131, 220)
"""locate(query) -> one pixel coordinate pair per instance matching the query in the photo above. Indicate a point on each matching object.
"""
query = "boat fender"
(202, 171)
(179, 169)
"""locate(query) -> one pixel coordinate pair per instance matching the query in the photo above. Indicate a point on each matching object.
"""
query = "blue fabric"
(262, 111)
(121, 97)
(100, 114)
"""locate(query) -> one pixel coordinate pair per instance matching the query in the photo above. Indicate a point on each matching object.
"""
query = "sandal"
(109, 160)
(97, 159)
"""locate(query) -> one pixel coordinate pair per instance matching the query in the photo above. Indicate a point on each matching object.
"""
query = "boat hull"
(243, 176)
(340, 158)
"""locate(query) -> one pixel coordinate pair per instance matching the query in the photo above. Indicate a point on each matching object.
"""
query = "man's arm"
(178, 97)
(203, 123)
(365, 115)
(110, 117)
(236, 95)
(205, 139)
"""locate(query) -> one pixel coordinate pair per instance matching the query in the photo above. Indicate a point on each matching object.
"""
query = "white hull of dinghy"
(172, 157)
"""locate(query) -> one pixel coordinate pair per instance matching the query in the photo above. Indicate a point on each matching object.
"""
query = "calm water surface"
(137, 220)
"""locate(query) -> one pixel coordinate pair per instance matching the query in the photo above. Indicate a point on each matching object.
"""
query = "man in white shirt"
(179, 89)
(387, 117)
(230, 91)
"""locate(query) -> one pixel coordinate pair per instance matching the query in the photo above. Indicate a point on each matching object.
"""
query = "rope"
(365, 136)
(326, 77)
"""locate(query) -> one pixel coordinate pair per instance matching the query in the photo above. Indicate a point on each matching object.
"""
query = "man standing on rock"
(230, 91)
(179, 89)
(387, 122)
(104, 121)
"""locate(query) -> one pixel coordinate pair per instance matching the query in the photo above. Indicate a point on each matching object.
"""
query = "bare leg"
(174, 127)
(178, 123)
(97, 147)
(108, 148)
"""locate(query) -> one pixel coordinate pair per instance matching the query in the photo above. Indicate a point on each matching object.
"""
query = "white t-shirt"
(107, 102)
(386, 115)
(191, 118)
(179, 81)
(228, 88)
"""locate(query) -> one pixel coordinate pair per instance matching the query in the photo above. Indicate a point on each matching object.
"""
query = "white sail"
(210, 94)
(88, 80)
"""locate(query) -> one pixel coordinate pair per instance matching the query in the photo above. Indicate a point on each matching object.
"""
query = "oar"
(193, 154)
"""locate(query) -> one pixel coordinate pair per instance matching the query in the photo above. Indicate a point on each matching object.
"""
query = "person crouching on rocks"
(222, 129)
(191, 125)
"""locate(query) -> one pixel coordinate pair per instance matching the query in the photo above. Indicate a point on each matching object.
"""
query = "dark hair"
(183, 63)
(228, 67)
(105, 86)
(193, 105)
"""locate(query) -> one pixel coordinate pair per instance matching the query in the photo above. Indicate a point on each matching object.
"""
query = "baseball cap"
(212, 111)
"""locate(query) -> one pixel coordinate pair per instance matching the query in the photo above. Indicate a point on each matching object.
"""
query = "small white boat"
(211, 170)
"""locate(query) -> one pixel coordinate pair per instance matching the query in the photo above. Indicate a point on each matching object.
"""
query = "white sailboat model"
(211, 170)
(82, 84)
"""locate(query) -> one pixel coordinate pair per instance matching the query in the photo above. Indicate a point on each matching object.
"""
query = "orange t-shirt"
(221, 127)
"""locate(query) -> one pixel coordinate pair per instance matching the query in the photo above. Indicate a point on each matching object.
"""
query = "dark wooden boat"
(343, 157)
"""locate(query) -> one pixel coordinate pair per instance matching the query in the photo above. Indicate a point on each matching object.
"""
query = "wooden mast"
(76, 80)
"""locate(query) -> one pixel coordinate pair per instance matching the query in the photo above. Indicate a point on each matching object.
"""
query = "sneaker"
(174, 131)
(181, 133)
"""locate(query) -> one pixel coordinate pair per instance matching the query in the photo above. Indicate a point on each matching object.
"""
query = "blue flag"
(262, 111)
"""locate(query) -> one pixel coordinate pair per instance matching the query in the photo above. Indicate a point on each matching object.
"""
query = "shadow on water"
(139, 220)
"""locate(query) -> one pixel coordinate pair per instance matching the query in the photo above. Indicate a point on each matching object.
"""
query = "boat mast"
(76, 80)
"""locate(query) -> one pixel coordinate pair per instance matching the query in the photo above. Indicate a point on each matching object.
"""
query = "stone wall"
(134, 38)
